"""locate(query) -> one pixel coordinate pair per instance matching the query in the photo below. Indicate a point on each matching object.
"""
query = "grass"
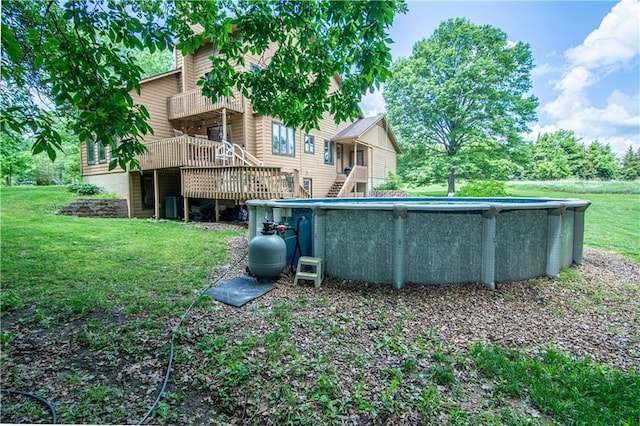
(59, 266)
(572, 391)
(110, 290)
(612, 222)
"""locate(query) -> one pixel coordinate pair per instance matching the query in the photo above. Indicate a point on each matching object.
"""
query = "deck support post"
(553, 242)
(488, 273)
(186, 209)
(216, 206)
(319, 233)
(156, 194)
(398, 267)
(578, 234)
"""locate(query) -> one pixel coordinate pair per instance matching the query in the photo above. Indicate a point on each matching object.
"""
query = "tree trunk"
(451, 182)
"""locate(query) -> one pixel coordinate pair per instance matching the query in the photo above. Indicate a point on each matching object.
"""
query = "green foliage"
(487, 188)
(600, 162)
(84, 188)
(83, 58)
(14, 158)
(560, 155)
(630, 167)
(465, 84)
(393, 183)
(573, 391)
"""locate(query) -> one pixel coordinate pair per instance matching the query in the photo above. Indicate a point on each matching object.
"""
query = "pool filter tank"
(267, 253)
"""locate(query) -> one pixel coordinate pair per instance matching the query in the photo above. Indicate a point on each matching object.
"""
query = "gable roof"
(362, 126)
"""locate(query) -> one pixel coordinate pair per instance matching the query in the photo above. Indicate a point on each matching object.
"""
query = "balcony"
(193, 104)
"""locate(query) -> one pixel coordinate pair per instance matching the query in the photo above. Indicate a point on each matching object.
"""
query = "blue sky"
(586, 55)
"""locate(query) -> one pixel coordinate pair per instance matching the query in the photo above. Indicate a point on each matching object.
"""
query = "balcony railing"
(240, 183)
(192, 103)
(186, 151)
(233, 182)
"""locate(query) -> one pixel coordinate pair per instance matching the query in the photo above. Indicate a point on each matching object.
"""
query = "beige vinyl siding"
(201, 62)
(383, 154)
(153, 96)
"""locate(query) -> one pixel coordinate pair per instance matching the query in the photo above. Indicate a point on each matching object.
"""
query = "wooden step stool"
(315, 276)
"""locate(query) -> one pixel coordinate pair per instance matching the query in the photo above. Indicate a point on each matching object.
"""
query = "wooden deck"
(192, 104)
(220, 170)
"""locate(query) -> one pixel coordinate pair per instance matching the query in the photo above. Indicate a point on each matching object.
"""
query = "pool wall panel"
(443, 248)
(521, 244)
(358, 245)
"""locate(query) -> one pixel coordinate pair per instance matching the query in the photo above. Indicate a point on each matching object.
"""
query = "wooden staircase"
(336, 187)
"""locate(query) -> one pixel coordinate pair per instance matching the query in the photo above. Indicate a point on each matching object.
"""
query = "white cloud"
(544, 69)
(614, 45)
(614, 42)
(373, 104)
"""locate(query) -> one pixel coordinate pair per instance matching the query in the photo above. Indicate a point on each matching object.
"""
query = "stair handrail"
(349, 183)
(246, 157)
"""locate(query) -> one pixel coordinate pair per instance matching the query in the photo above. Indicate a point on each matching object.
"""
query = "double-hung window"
(102, 153)
(91, 152)
(328, 152)
(283, 140)
(309, 144)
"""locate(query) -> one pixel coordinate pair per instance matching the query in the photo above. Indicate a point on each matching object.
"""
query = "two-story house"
(220, 153)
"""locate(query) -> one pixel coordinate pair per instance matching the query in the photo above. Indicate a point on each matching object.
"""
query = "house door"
(339, 158)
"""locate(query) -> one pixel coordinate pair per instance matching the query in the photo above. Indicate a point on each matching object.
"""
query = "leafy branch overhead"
(76, 58)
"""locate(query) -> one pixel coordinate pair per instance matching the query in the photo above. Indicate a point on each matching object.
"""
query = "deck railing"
(194, 103)
(357, 175)
(233, 182)
(186, 151)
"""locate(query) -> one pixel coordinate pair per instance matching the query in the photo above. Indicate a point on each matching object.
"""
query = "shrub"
(84, 188)
(483, 188)
(393, 183)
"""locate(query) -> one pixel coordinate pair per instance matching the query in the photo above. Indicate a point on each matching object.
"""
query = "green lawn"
(65, 264)
(612, 222)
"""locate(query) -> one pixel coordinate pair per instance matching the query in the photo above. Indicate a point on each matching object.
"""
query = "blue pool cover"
(239, 290)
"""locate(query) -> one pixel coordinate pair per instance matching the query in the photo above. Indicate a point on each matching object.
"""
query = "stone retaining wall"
(388, 193)
(97, 208)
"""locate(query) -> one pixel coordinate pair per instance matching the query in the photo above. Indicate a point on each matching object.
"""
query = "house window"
(307, 184)
(91, 152)
(284, 142)
(102, 153)
(309, 144)
(113, 152)
(328, 152)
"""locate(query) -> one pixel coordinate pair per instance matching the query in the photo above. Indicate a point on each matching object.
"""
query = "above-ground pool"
(432, 240)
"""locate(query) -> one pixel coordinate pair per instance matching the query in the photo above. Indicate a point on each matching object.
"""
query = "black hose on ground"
(173, 338)
(54, 417)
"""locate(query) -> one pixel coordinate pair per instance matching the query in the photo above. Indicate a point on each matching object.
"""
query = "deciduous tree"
(466, 83)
